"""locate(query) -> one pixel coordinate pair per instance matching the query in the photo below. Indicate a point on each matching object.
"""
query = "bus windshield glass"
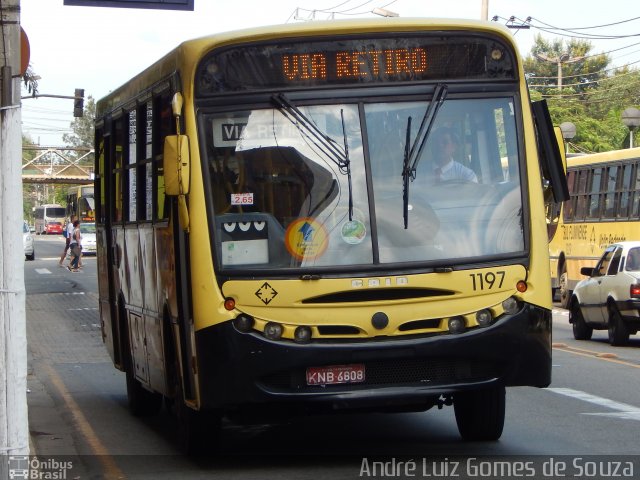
(282, 200)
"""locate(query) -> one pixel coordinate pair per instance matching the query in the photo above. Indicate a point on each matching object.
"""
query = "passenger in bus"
(633, 259)
(444, 146)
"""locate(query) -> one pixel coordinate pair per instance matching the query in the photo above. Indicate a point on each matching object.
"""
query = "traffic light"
(78, 102)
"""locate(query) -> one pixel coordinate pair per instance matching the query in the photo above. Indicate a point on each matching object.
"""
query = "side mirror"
(176, 164)
(587, 271)
(552, 159)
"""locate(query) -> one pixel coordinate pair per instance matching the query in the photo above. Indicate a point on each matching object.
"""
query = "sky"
(98, 49)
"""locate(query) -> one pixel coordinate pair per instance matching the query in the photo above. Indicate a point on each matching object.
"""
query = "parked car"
(88, 232)
(27, 242)
(610, 298)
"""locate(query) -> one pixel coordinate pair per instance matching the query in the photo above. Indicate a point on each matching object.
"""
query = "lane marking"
(623, 410)
(111, 470)
(604, 356)
(43, 271)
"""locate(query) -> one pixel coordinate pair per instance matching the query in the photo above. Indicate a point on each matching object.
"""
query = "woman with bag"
(68, 233)
(76, 247)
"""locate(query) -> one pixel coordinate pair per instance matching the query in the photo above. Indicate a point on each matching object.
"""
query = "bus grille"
(415, 371)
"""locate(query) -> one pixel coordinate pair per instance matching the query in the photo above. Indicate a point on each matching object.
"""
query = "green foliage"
(82, 127)
(592, 97)
(29, 191)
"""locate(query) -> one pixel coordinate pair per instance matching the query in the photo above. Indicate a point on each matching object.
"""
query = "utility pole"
(14, 428)
(484, 10)
(559, 60)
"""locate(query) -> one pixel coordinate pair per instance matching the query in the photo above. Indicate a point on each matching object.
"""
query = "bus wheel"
(199, 431)
(142, 402)
(480, 413)
(565, 293)
(618, 331)
(581, 331)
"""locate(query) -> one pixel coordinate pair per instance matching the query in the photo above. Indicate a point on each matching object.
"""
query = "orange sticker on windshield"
(306, 239)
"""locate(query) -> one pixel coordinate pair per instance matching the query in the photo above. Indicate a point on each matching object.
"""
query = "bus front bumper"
(244, 369)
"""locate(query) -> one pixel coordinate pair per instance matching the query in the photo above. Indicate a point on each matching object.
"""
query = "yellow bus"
(272, 239)
(604, 208)
(81, 203)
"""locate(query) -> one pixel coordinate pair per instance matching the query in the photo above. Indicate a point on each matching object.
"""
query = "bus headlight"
(302, 334)
(457, 325)
(243, 323)
(511, 305)
(483, 317)
(273, 331)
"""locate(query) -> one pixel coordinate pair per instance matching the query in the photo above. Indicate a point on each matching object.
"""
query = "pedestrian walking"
(76, 247)
(68, 233)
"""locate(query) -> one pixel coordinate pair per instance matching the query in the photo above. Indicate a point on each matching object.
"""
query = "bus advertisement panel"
(325, 217)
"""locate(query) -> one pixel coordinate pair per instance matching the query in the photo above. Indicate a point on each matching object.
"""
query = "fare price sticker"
(242, 199)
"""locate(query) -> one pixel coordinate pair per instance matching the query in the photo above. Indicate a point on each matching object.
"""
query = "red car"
(53, 227)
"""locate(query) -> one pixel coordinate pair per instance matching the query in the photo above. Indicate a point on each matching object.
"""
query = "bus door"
(109, 260)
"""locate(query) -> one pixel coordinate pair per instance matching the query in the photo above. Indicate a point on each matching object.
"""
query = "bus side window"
(162, 126)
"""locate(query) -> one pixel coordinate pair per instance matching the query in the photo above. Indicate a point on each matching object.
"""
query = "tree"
(83, 134)
(82, 127)
(592, 97)
(29, 191)
(580, 70)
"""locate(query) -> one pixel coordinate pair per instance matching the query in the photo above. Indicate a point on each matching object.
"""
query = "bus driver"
(444, 167)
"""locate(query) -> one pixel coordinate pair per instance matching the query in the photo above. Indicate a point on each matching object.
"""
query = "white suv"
(610, 297)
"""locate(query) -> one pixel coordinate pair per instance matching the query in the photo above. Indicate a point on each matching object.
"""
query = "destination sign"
(354, 61)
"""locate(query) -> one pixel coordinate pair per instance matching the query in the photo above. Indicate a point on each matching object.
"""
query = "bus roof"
(196, 48)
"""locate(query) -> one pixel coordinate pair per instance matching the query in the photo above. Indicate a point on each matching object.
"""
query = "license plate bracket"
(336, 374)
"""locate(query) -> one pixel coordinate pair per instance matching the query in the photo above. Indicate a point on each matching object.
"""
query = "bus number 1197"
(487, 280)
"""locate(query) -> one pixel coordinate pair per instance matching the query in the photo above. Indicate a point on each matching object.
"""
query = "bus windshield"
(281, 200)
(54, 212)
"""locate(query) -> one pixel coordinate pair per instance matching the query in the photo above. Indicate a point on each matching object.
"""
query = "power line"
(580, 96)
(586, 74)
(563, 32)
(568, 29)
(334, 10)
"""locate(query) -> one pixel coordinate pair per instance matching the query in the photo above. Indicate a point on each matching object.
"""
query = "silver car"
(27, 242)
(610, 298)
(88, 232)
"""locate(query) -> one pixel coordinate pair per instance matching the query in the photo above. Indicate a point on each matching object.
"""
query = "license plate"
(335, 374)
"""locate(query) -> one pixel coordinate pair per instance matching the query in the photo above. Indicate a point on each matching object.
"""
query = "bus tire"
(480, 413)
(618, 331)
(198, 431)
(563, 288)
(581, 331)
(141, 401)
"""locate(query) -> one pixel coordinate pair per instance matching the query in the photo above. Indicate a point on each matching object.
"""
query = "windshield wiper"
(321, 140)
(412, 155)
(347, 164)
(406, 174)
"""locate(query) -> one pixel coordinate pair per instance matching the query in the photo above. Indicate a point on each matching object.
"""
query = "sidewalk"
(62, 329)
